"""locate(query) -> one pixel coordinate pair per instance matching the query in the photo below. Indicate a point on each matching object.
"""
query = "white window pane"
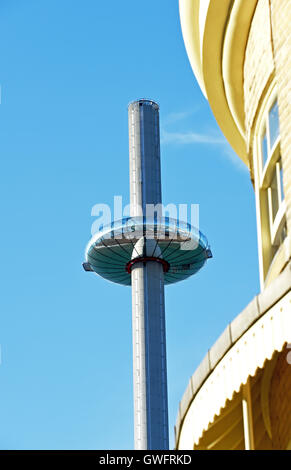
(281, 182)
(264, 148)
(283, 234)
(274, 123)
(274, 195)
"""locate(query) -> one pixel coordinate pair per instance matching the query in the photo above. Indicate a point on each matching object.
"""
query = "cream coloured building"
(240, 52)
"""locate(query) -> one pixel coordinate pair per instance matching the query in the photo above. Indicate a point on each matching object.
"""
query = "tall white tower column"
(147, 279)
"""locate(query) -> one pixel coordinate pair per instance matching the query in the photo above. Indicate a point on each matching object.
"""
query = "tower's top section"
(146, 235)
(143, 102)
(144, 155)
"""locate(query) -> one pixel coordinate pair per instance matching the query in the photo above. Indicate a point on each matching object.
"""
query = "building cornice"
(255, 311)
(215, 33)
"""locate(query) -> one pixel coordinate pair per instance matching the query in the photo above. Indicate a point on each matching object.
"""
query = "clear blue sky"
(68, 70)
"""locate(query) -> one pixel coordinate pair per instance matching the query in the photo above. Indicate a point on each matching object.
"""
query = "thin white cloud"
(190, 138)
(186, 138)
(172, 118)
(234, 158)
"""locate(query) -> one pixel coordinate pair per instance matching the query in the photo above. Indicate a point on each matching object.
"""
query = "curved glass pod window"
(178, 245)
(156, 228)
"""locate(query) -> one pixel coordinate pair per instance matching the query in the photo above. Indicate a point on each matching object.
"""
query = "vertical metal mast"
(138, 251)
(148, 305)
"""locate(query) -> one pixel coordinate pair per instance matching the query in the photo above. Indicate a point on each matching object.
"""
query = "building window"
(273, 198)
(282, 196)
(275, 191)
(271, 133)
(264, 148)
(276, 206)
(283, 234)
(274, 124)
(268, 174)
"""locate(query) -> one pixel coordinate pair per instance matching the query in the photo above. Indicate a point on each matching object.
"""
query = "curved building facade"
(240, 52)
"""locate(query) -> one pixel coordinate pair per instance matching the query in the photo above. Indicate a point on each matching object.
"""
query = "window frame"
(265, 128)
(276, 222)
(270, 232)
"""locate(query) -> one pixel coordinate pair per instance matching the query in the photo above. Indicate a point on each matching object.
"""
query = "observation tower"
(147, 251)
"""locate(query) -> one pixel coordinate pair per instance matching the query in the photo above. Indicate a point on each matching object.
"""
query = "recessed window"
(271, 133)
(283, 233)
(281, 183)
(268, 175)
(274, 197)
(275, 203)
(264, 148)
(274, 124)
(276, 191)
